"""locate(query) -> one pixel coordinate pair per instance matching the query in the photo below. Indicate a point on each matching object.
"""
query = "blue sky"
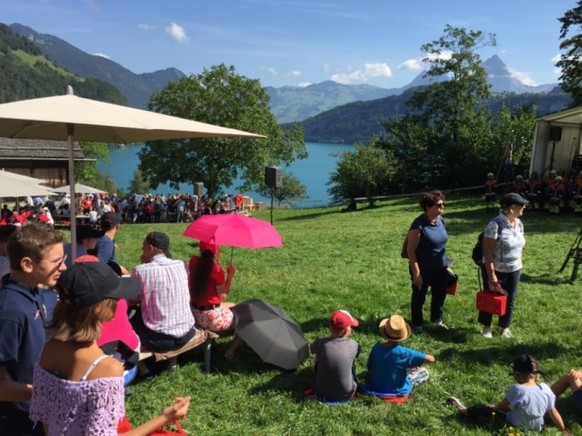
(297, 42)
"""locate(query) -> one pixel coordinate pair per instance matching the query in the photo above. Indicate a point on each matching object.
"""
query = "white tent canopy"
(557, 141)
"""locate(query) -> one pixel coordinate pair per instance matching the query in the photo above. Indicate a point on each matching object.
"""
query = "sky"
(298, 42)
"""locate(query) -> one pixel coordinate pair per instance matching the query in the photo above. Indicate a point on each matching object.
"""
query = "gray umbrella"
(268, 330)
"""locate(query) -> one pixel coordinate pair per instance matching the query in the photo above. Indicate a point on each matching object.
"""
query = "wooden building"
(42, 159)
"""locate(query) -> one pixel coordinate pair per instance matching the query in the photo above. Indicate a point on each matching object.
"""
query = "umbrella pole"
(231, 253)
(73, 206)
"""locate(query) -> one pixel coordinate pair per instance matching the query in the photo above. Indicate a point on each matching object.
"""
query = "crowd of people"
(135, 208)
(556, 193)
(67, 341)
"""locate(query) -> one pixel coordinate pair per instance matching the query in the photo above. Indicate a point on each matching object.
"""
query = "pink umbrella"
(234, 230)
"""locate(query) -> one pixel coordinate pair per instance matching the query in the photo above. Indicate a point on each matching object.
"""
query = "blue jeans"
(437, 281)
(510, 283)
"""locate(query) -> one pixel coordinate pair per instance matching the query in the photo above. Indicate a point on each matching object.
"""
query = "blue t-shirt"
(388, 366)
(105, 249)
(22, 333)
(528, 405)
(430, 253)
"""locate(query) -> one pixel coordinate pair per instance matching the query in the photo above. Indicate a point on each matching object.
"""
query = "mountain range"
(329, 111)
(137, 88)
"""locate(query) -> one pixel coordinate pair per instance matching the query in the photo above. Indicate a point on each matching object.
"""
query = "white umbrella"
(75, 118)
(80, 189)
(22, 177)
(13, 187)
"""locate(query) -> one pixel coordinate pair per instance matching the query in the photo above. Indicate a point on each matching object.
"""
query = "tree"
(291, 190)
(439, 143)
(570, 61)
(219, 96)
(88, 172)
(365, 172)
(139, 184)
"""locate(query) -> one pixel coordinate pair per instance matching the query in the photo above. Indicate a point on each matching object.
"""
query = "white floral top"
(509, 243)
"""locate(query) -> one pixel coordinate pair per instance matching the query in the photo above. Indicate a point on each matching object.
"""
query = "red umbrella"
(234, 230)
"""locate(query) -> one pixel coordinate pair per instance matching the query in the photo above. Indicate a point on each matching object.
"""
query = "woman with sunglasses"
(427, 240)
(503, 241)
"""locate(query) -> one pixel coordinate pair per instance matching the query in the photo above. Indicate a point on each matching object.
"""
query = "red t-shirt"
(210, 295)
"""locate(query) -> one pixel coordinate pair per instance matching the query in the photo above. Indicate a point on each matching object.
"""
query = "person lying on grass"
(334, 373)
(525, 403)
(394, 369)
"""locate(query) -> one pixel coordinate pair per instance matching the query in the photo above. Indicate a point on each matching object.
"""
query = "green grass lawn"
(334, 260)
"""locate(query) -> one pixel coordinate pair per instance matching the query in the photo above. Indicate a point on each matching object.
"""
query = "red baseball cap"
(342, 319)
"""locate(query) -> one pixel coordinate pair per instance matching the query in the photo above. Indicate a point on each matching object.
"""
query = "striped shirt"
(165, 298)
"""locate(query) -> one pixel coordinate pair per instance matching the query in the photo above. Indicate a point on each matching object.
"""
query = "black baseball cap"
(85, 231)
(161, 241)
(110, 220)
(87, 283)
(511, 199)
(527, 364)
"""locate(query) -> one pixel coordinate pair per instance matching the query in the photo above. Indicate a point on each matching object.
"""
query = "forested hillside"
(358, 122)
(26, 73)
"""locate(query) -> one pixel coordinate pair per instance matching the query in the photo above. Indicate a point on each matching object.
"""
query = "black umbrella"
(268, 330)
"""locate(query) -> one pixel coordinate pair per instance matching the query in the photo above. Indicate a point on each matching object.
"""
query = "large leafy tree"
(88, 172)
(219, 96)
(440, 143)
(571, 59)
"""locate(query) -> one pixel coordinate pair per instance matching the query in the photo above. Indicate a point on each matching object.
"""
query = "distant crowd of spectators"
(136, 208)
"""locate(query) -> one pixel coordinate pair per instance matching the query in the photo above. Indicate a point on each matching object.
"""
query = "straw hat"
(395, 328)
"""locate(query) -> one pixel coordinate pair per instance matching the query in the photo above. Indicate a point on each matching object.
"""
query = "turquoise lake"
(313, 172)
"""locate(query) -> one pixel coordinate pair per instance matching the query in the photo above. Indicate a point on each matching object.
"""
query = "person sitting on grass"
(393, 369)
(572, 380)
(334, 374)
(525, 403)
(78, 389)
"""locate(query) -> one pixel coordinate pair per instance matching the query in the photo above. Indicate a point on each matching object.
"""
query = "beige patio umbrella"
(22, 177)
(80, 119)
(79, 189)
(13, 187)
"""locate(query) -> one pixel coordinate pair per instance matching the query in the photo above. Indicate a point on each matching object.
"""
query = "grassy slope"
(335, 260)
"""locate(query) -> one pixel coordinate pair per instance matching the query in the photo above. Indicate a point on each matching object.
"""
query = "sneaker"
(456, 403)
(486, 332)
(442, 325)
(418, 329)
(506, 333)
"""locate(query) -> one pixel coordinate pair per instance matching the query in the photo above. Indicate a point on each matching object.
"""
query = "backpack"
(477, 253)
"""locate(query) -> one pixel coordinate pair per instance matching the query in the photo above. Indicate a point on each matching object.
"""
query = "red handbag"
(491, 302)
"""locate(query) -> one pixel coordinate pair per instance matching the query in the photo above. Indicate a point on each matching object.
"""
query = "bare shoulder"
(108, 367)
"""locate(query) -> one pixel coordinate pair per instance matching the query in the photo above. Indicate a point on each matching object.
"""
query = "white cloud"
(370, 71)
(304, 84)
(101, 55)
(91, 4)
(325, 68)
(270, 70)
(295, 73)
(177, 32)
(444, 55)
(410, 64)
(524, 78)
(146, 27)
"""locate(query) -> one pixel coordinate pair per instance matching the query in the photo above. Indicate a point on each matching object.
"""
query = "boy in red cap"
(334, 375)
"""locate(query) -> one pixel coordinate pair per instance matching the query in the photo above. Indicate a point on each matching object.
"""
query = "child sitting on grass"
(525, 403)
(394, 369)
(334, 378)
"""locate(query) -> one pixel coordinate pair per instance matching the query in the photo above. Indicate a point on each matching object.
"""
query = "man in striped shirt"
(165, 321)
